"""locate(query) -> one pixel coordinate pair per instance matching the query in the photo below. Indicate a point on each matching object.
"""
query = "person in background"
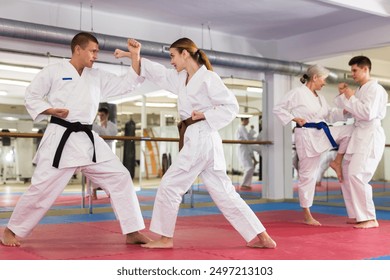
(245, 154)
(104, 127)
(367, 105)
(205, 105)
(252, 132)
(310, 111)
(258, 149)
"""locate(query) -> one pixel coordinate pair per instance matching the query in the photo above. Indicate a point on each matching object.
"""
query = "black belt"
(71, 127)
(325, 127)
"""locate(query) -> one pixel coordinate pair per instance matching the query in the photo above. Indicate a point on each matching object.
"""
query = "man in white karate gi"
(245, 154)
(368, 107)
(70, 92)
(104, 127)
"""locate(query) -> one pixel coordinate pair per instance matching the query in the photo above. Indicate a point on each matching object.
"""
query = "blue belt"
(325, 127)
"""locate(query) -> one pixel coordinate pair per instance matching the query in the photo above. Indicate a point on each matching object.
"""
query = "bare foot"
(312, 222)
(9, 238)
(367, 224)
(351, 221)
(337, 168)
(264, 241)
(162, 243)
(137, 238)
(246, 187)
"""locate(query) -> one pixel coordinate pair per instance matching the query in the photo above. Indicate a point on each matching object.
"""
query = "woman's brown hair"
(197, 54)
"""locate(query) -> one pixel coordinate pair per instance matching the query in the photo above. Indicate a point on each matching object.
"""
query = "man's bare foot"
(162, 243)
(9, 238)
(351, 221)
(244, 187)
(264, 241)
(367, 224)
(137, 238)
(336, 166)
(312, 222)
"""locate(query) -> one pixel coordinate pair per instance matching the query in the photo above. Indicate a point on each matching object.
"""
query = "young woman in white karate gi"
(368, 107)
(305, 105)
(202, 97)
(70, 92)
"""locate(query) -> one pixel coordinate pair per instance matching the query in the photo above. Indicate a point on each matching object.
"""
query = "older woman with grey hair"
(310, 111)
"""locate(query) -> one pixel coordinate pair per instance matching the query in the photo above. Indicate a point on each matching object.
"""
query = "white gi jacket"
(302, 103)
(206, 93)
(368, 107)
(60, 86)
(110, 130)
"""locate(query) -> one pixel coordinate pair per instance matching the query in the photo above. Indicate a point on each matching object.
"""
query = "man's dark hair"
(103, 110)
(82, 39)
(360, 61)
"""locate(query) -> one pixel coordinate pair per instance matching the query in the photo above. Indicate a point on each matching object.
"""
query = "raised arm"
(134, 54)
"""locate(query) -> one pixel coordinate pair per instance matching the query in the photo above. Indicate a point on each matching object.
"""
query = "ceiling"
(291, 30)
(263, 19)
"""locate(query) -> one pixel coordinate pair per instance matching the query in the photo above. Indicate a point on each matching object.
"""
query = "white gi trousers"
(361, 169)
(47, 183)
(176, 182)
(249, 169)
(309, 167)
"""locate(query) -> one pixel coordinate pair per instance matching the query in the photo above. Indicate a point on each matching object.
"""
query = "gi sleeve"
(365, 108)
(157, 73)
(35, 97)
(224, 104)
(283, 109)
(335, 114)
(113, 85)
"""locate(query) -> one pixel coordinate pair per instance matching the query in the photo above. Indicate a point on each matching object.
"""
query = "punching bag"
(6, 141)
(129, 160)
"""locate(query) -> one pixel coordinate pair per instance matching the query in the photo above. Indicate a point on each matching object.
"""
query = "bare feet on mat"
(311, 222)
(367, 224)
(9, 239)
(244, 187)
(162, 243)
(336, 166)
(351, 221)
(308, 218)
(137, 238)
(264, 241)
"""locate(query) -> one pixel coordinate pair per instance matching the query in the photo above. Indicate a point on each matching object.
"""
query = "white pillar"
(24, 151)
(277, 162)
